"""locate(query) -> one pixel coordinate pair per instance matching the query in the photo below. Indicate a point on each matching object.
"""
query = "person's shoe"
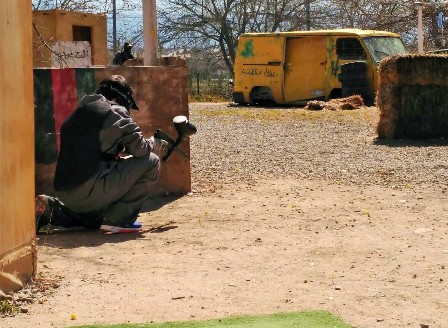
(133, 227)
(43, 211)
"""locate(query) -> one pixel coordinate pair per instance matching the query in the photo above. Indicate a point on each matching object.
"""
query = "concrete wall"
(51, 26)
(160, 91)
(17, 229)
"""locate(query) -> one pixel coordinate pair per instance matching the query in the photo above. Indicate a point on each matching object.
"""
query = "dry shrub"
(348, 103)
(315, 105)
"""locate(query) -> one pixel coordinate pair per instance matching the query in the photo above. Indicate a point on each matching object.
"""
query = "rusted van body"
(295, 67)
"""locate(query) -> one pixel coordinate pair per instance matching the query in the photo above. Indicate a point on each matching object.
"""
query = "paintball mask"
(117, 88)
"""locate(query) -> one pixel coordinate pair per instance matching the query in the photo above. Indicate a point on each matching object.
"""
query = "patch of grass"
(207, 98)
(307, 319)
(367, 115)
(7, 308)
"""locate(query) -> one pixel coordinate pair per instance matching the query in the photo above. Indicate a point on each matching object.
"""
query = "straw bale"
(412, 111)
(413, 97)
(414, 69)
(423, 113)
(387, 72)
(386, 97)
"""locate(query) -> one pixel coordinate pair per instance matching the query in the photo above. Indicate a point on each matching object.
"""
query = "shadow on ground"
(81, 237)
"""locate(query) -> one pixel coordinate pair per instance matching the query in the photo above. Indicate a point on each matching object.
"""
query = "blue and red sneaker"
(133, 227)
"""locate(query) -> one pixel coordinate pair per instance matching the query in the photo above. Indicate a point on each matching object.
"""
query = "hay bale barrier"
(413, 97)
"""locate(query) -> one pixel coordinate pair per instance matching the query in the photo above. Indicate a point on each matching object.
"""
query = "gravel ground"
(341, 146)
(263, 234)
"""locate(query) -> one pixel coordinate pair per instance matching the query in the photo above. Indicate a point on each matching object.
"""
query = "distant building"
(69, 39)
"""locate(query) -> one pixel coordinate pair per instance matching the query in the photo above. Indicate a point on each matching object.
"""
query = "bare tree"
(398, 16)
(435, 38)
(218, 24)
(91, 6)
(202, 24)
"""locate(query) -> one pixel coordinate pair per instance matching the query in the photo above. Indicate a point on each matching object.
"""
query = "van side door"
(305, 64)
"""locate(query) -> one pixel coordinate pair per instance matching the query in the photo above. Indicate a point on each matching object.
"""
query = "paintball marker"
(183, 128)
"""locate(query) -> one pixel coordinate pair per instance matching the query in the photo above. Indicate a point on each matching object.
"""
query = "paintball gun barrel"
(184, 129)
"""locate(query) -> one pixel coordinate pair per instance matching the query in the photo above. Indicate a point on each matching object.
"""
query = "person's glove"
(159, 147)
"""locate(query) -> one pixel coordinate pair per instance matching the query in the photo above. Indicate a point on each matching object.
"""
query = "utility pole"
(419, 5)
(114, 24)
(150, 41)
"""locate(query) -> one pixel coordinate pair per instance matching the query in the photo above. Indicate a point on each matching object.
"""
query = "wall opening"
(83, 33)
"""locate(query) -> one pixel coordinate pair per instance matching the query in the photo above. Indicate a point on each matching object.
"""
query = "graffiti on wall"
(71, 54)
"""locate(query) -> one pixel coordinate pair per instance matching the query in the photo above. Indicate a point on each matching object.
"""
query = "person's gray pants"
(119, 188)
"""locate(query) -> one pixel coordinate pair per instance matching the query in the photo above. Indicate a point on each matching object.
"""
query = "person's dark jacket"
(97, 131)
(122, 56)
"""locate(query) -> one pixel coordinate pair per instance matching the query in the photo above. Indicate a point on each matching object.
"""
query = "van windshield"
(383, 46)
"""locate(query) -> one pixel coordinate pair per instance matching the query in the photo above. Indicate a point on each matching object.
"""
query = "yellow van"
(295, 67)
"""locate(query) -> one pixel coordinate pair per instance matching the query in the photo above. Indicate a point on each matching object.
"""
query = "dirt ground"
(376, 256)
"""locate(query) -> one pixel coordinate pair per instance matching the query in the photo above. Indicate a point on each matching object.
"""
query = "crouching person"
(96, 186)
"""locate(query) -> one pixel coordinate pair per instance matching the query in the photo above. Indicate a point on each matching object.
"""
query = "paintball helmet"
(117, 88)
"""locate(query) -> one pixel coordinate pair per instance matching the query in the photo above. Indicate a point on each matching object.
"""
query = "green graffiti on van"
(248, 49)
